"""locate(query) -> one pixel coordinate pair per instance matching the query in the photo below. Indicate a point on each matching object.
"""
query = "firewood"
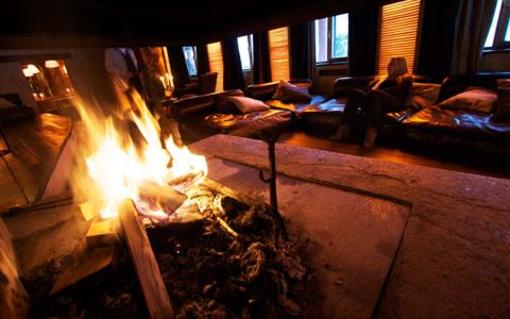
(145, 264)
(84, 264)
(88, 210)
(166, 196)
(102, 232)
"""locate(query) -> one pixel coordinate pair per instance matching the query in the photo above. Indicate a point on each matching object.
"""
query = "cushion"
(290, 93)
(474, 99)
(422, 95)
(502, 113)
(503, 83)
(5, 103)
(225, 105)
(248, 105)
(452, 86)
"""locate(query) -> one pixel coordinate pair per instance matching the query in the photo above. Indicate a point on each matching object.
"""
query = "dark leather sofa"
(198, 117)
(319, 114)
(436, 125)
(265, 92)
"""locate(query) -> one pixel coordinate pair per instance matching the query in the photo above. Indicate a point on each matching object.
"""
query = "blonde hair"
(397, 67)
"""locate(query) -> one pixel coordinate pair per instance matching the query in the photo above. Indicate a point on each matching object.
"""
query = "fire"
(123, 153)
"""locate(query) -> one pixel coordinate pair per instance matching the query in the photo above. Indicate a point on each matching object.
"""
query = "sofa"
(438, 125)
(319, 114)
(199, 117)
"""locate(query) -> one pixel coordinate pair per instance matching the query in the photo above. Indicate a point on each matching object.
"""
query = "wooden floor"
(467, 162)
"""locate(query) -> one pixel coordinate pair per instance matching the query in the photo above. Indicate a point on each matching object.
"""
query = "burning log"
(168, 198)
(146, 266)
(102, 232)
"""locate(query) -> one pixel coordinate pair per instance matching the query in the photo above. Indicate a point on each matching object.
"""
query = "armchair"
(205, 84)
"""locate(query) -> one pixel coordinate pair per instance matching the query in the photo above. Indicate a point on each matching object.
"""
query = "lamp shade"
(51, 64)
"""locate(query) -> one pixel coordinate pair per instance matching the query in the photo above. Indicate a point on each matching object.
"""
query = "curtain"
(232, 69)
(178, 65)
(202, 59)
(472, 27)
(301, 51)
(261, 60)
(363, 36)
(437, 37)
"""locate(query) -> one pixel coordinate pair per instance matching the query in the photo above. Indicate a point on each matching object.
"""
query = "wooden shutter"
(216, 62)
(399, 31)
(279, 53)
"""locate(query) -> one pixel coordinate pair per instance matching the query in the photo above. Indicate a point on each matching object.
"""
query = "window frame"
(503, 22)
(329, 49)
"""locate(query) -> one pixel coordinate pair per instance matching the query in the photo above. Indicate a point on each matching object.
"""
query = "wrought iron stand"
(271, 180)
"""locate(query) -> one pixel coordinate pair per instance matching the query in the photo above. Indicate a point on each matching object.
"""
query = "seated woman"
(389, 95)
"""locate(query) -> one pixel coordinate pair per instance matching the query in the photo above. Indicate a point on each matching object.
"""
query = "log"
(85, 263)
(166, 196)
(89, 210)
(102, 232)
(145, 264)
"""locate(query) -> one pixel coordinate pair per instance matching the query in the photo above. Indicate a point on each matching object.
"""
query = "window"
(279, 53)
(245, 44)
(48, 79)
(190, 56)
(216, 62)
(507, 35)
(332, 39)
(398, 35)
(499, 31)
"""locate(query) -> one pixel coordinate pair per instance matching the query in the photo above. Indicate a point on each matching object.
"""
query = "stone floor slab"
(454, 260)
(354, 236)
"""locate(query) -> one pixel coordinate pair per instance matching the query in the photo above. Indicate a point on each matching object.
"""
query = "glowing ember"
(123, 154)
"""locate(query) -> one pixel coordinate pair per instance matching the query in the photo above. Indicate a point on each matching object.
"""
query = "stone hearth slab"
(353, 236)
(454, 260)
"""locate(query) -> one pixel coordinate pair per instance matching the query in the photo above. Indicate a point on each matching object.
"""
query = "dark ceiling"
(85, 23)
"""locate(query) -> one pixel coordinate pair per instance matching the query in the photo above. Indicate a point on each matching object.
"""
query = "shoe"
(370, 137)
(342, 132)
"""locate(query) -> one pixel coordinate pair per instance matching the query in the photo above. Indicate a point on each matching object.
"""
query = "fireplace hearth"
(207, 270)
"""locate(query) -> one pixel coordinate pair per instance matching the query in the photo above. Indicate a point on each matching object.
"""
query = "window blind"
(279, 53)
(399, 31)
(216, 62)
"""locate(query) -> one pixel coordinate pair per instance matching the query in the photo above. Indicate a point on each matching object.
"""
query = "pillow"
(502, 113)
(505, 83)
(290, 93)
(248, 105)
(451, 86)
(474, 99)
(422, 95)
(4, 103)
(225, 105)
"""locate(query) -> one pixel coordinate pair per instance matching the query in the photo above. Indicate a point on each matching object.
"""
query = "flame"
(121, 153)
